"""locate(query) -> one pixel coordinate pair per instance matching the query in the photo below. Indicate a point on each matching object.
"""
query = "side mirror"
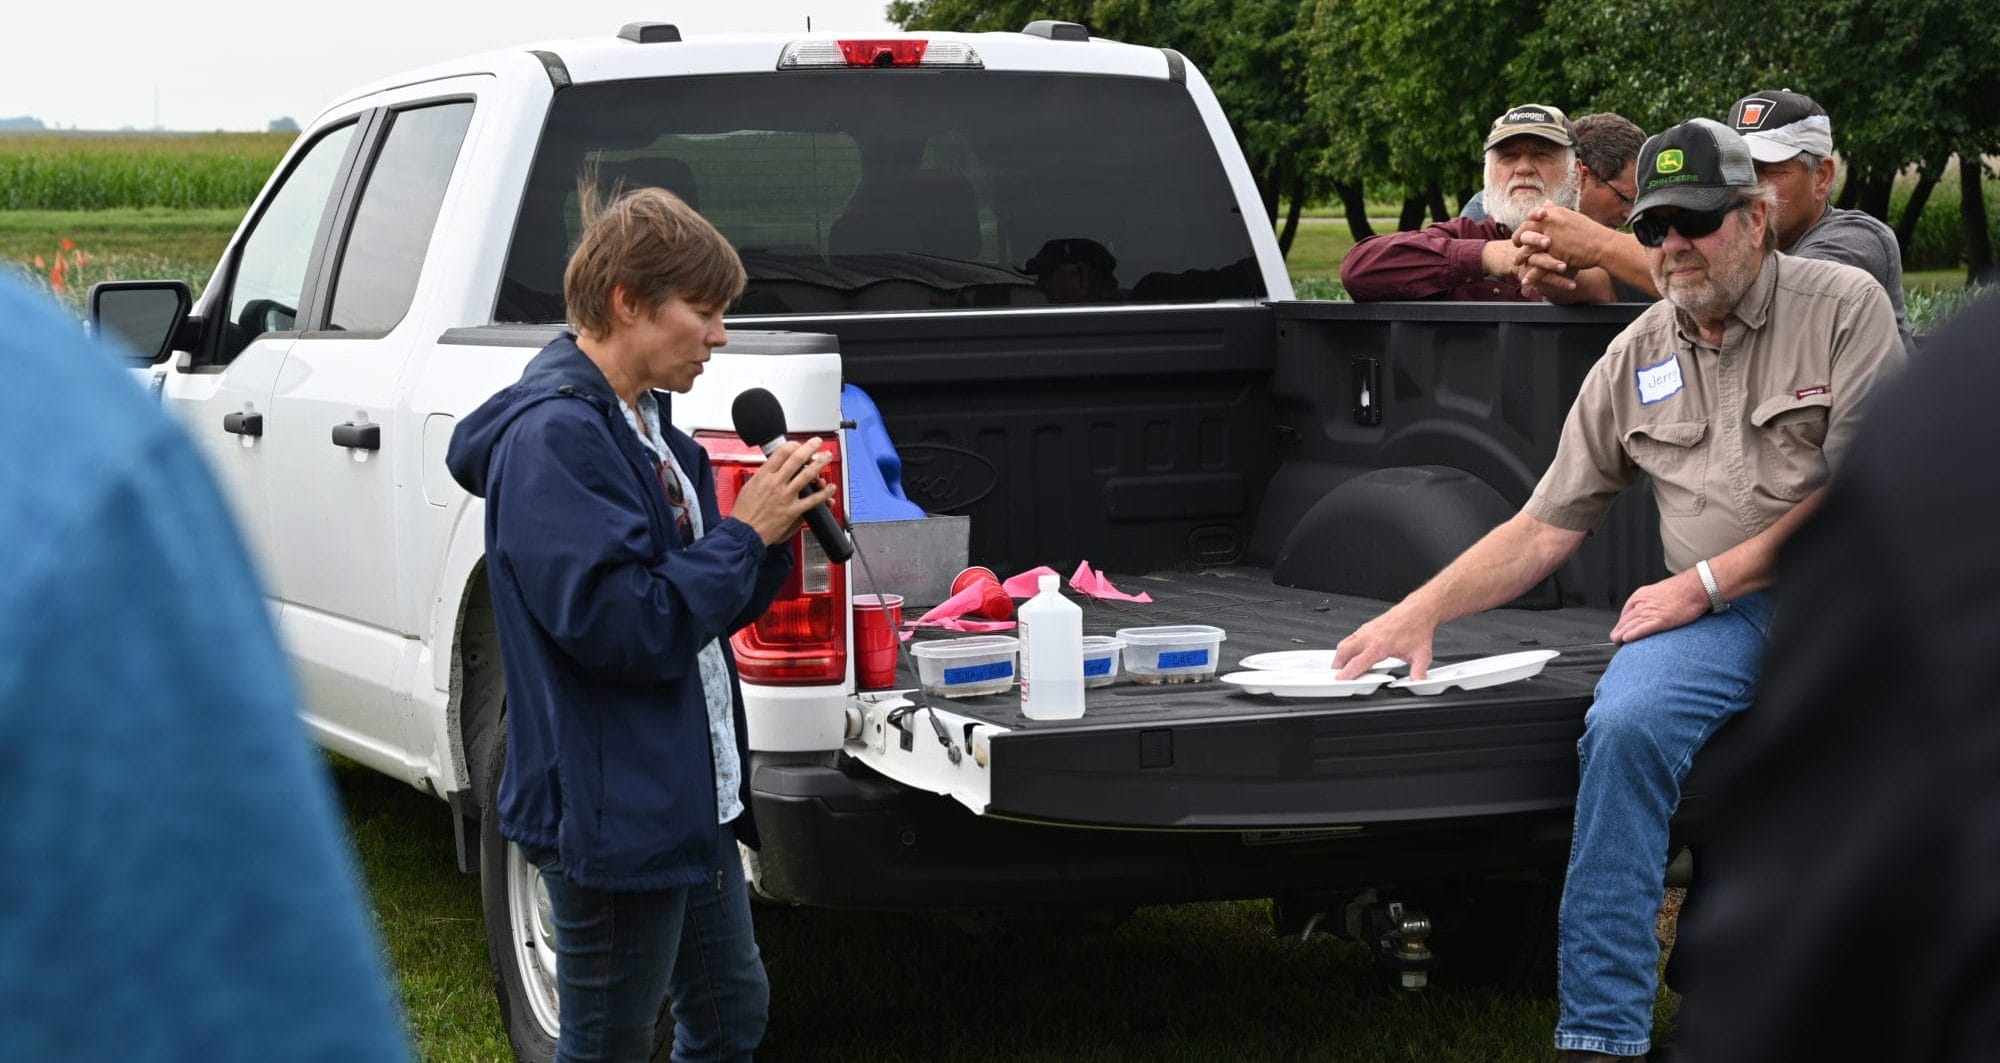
(145, 317)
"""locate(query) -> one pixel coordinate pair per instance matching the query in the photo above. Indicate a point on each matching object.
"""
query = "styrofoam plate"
(1313, 683)
(1479, 674)
(1307, 660)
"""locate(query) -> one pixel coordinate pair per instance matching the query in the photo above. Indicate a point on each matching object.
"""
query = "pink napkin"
(949, 614)
(1092, 582)
(1027, 584)
(1086, 581)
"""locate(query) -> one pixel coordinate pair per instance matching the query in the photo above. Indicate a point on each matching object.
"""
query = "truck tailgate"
(1209, 756)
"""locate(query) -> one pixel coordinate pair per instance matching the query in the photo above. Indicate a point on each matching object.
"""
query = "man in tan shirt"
(1733, 394)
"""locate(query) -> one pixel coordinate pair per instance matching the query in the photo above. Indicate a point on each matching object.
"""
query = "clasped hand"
(1554, 243)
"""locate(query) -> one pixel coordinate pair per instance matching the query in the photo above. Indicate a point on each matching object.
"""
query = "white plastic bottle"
(1051, 655)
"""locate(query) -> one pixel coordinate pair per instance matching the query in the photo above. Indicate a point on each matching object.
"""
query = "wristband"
(1715, 602)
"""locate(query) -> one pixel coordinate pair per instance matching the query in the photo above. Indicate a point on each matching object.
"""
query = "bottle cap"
(1049, 582)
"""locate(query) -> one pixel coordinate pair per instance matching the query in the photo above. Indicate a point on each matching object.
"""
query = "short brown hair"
(1607, 143)
(654, 245)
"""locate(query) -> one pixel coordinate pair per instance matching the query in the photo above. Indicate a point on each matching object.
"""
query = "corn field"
(52, 171)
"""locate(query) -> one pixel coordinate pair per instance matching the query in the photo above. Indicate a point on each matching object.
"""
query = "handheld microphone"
(760, 420)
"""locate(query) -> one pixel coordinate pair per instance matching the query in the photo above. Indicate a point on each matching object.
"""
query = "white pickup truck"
(1045, 258)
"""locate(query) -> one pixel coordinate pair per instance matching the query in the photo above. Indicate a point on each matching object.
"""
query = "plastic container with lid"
(968, 667)
(1178, 653)
(1100, 661)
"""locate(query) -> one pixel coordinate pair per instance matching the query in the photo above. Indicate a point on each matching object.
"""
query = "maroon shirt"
(1437, 262)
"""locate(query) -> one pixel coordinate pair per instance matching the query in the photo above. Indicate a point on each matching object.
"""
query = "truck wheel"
(520, 937)
(1499, 933)
(520, 933)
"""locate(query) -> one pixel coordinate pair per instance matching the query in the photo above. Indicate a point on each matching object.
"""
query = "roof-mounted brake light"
(891, 52)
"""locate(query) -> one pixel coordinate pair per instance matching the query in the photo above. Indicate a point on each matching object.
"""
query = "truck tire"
(520, 938)
(1496, 933)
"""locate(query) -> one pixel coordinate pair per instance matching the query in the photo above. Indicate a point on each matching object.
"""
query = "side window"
(398, 209)
(271, 269)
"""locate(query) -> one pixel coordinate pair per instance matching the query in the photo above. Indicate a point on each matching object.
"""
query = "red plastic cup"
(975, 574)
(878, 624)
(996, 605)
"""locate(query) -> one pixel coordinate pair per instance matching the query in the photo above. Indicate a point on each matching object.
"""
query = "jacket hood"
(560, 370)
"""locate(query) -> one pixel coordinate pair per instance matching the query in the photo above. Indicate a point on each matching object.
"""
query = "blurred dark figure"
(182, 888)
(1075, 270)
(1851, 905)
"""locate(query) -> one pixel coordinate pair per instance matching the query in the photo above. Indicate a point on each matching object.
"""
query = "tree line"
(1344, 100)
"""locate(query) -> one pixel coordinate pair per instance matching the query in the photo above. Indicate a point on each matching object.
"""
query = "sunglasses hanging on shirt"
(1651, 227)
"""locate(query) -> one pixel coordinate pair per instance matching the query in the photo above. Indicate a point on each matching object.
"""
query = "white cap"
(1048, 582)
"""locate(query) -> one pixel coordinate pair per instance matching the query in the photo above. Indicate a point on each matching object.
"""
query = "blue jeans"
(1657, 705)
(621, 955)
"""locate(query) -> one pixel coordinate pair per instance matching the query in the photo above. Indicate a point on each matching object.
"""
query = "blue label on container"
(978, 673)
(1097, 666)
(1184, 659)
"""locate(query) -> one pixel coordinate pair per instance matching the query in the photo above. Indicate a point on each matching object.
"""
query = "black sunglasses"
(1651, 228)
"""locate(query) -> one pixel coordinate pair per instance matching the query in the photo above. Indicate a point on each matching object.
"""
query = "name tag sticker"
(1660, 381)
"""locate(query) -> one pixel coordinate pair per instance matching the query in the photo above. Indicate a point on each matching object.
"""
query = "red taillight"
(802, 639)
(886, 53)
(883, 53)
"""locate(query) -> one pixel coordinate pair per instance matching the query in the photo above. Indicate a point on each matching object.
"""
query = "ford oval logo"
(943, 478)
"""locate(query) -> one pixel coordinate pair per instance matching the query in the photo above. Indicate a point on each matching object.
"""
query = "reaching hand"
(769, 501)
(1400, 632)
(1662, 606)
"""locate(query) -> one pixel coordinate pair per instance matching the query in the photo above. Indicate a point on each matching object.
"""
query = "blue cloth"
(621, 955)
(182, 888)
(716, 689)
(602, 611)
(1475, 208)
(1659, 702)
(874, 470)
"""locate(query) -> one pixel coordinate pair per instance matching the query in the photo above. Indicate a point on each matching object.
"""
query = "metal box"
(914, 558)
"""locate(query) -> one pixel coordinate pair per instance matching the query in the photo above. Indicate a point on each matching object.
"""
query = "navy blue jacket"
(601, 611)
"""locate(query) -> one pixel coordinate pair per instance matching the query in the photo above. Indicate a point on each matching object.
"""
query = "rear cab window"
(855, 191)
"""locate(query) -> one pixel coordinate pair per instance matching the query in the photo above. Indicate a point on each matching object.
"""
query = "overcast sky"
(237, 64)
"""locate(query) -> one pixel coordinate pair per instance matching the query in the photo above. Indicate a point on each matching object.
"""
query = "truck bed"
(1260, 616)
(1209, 756)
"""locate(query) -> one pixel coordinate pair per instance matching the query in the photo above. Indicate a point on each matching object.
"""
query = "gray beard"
(1712, 299)
(1512, 211)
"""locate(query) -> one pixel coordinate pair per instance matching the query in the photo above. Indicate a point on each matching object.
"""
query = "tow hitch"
(1397, 933)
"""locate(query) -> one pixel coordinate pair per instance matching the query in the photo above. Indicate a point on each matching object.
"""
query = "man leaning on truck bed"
(1733, 394)
(1530, 161)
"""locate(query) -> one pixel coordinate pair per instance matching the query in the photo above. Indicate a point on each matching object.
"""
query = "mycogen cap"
(1532, 120)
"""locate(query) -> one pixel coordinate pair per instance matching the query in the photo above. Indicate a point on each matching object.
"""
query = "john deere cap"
(1700, 164)
(1781, 123)
(1534, 120)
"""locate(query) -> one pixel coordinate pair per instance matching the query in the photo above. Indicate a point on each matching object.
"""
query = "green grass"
(126, 244)
(429, 915)
(84, 172)
(1318, 247)
(1190, 982)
